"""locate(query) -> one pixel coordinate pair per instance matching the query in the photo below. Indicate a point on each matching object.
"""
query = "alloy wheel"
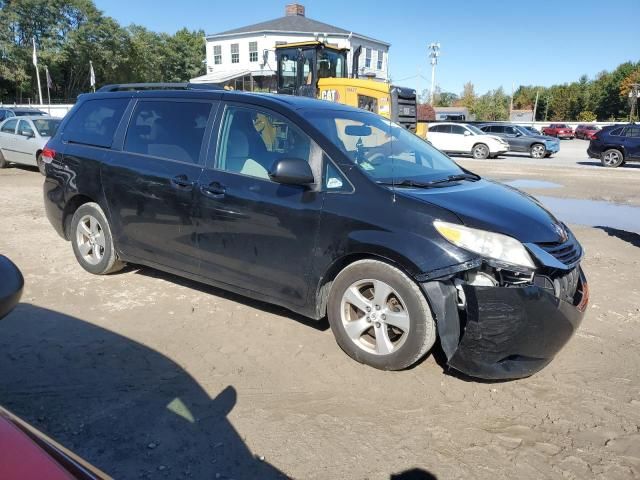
(375, 317)
(481, 152)
(538, 151)
(90, 239)
(611, 158)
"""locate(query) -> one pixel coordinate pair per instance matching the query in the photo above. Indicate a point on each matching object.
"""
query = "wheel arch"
(70, 208)
(326, 280)
(620, 148)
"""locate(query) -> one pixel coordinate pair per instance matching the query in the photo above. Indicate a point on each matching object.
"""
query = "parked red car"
(26, 453)
(586, 131)
(560, 130)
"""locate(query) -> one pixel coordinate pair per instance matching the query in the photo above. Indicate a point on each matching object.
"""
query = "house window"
(217, 54)
(367, 57)
(253, 51)
(235, 53)
(380, 58)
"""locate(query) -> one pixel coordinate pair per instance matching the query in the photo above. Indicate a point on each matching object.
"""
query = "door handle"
(213, 190)
(182, 182)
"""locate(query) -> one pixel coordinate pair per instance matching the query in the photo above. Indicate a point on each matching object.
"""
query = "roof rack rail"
(118, 87)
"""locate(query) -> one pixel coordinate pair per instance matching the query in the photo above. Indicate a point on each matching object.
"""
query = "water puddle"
(525, 183)
(594, 213)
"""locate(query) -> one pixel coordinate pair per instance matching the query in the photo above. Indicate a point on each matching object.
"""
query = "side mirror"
(518, 134)
(291, 171)
(11, 283)
(467, 133)
(27, 133)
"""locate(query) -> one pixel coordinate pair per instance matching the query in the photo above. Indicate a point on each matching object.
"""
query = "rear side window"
(10, 126)
(441, 129)
(615, 132)
(95, 122)
(458, 130)
(633, 132)
(167, 129)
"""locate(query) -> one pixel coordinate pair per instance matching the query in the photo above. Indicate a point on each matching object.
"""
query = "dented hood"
(494, 207)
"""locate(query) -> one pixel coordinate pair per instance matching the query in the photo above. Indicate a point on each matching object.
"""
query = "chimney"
(294, 9)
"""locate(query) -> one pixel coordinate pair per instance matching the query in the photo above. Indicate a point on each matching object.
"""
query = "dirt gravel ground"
(147, 375)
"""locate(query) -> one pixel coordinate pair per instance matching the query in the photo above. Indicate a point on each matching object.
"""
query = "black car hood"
(494, 207)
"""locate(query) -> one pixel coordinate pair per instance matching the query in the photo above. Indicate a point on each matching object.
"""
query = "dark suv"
(522, 140)
(7, 112)
(616, 144)
(325, 209)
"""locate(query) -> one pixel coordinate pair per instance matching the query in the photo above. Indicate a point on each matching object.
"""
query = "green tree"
(493, 105)
(468, 97)
(587, 116)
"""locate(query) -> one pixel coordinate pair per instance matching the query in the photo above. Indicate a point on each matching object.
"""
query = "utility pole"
(634, 94)
(511, 104)
(535, 107)
(434, 54)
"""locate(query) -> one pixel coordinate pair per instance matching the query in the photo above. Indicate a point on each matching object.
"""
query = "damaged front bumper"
(507, 331)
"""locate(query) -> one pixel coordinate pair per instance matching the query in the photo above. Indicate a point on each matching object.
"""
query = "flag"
(35, 55)
(49, 81)
(92, 74)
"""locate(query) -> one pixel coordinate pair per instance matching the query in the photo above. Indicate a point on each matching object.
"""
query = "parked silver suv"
(522, 140)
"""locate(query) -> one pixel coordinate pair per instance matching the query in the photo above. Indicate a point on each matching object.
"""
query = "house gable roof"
(292, 23)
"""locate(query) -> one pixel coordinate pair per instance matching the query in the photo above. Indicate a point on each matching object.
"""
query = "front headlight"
(488, 244)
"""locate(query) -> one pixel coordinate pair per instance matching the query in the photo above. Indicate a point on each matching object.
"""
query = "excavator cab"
(319, 70)
(301, 65)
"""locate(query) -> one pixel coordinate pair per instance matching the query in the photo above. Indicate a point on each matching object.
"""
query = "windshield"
(330, 64)
(383, 150)
(475, 129)
(47, 127)
(523, 130)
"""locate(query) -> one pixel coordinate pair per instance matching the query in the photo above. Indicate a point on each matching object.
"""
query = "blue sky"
(490, 43)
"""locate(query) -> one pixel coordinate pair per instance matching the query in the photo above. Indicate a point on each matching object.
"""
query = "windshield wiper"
(415, 184)
(457, 177)
(406, 183)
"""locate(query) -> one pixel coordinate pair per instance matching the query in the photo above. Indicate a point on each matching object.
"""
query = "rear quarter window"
(95, 122)
(615, 132)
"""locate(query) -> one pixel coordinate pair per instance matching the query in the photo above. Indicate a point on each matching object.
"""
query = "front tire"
(480, 151)
(537, 150)
(92, 241)
(612, 158)
(379, 316)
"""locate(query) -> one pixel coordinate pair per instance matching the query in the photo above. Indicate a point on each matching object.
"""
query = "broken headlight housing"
(496, 246)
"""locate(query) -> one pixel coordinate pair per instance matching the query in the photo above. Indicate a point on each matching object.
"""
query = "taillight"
(48, 154)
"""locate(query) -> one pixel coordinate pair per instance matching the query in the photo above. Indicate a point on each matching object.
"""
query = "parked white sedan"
(465, 138)
(23, 138)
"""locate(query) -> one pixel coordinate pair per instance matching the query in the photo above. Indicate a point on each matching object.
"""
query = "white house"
(245, 57)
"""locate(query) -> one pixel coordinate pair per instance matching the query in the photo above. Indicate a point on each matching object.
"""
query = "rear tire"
(612, 158)
(379, 316)
(480, 151)
(92, 241)
(41, 165)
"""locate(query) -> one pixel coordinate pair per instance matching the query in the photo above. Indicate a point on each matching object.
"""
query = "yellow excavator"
(319, 70)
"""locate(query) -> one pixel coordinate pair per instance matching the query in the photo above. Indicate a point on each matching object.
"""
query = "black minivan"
(324, 209)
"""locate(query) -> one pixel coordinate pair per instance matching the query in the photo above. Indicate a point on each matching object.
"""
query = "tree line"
(70, 33)
(603, 98)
